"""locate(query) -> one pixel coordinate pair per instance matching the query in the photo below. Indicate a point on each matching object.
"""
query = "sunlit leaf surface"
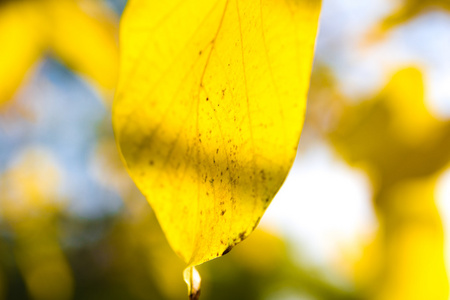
(209, 111)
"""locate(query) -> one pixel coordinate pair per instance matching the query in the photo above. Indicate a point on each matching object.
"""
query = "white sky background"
(324, 207)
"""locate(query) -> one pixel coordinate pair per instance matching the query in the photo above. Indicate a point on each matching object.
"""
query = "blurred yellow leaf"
(44, 267)
(393, 135)
(403, 148)
(29, 188)
(83, 37)
(405, 12)
(412, 8)
(406, 261)
(81, 33)
(404, 96)
(30, 202)
(21, 43)
(209, 110)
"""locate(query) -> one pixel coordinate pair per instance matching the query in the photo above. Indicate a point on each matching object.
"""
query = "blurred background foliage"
(73, 225)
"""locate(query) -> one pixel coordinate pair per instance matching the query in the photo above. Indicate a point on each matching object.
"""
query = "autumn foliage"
(209, 103)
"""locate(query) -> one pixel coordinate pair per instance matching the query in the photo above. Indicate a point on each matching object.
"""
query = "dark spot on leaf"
(200, 52)
(242, 236)
(151, 162)
(223, 212)
(227, 250)
(263, 175)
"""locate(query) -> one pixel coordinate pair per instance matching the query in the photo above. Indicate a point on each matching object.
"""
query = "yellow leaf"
(411, 9)
(404, 96)
(85, 41)
(30, 205)
(406, 261)
(393, 135)
(209, 110)
(22, 43)
(81, 33)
